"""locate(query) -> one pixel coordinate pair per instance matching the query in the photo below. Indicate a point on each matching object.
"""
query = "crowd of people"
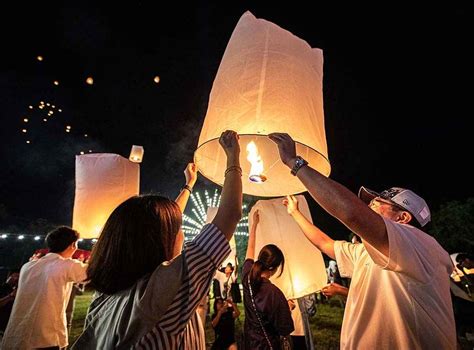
(149, 284)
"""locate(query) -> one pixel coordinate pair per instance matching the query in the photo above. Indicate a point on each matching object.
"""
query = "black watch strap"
(299, 163)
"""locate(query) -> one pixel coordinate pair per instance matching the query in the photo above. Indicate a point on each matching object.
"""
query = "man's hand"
(286, 148)
(291, 204)
(291, 304)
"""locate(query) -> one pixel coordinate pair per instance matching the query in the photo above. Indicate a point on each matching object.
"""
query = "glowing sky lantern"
(90, 80)
(156, 79)
(268, 81)
(304, 272)
(136, 154)
(103, 181)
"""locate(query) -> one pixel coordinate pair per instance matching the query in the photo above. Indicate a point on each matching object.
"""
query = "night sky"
(397, 95)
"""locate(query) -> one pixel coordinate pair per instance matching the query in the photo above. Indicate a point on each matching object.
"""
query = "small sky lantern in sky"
(90, 80)
(39, 58)
(30, 107)
(23, 131)
(262, 100)
(55, 83)
(156, 79)
(136, 154)
(25, 120)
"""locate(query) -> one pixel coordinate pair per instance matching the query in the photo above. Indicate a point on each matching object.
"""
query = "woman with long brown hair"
(148, 285)
(267, 312)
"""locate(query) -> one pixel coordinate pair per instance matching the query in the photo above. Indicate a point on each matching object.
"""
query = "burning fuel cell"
(256, 162)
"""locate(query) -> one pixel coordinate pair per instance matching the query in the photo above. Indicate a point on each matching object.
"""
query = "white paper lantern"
(268, 81)
(304, 272)
(136, 154)
(103, 181)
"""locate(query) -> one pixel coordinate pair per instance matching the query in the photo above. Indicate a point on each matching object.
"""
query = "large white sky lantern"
(268, 81)
(103, 181)
(304, 272)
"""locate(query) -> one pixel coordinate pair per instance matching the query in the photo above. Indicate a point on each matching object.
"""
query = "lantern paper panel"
(103, 181)
(304, 272)
(268, 81)
(211, 214)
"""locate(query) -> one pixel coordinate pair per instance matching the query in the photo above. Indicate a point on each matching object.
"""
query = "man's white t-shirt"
(398, 302)
(38, 317)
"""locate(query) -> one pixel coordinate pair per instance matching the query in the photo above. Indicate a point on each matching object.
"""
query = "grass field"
(325, 325)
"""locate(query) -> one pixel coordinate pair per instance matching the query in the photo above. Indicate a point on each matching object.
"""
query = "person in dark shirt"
(223, 322)
(267, 313)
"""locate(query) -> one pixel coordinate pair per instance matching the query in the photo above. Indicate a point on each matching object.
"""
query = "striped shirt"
(159, 312)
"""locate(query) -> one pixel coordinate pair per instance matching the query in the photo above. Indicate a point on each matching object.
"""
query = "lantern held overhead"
(304, 272)
(268, 81)
(103, 181)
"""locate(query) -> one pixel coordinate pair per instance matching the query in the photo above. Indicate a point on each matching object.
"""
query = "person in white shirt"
(399, 296)
(38, 318)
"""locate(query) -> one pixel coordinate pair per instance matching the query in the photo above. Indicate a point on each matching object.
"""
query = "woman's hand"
(191, 174)
(291, 204)
(333, 289)
(291, 304)
(256, 217)
(229, 141)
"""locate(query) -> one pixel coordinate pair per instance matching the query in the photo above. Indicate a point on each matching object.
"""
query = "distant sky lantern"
(85, 135)
(156, 79)
(90, 80)
(103, 181)
(30, 107)
(55, 83)
(25, 120)
(39, 58)
(45, 120)
(60, 110)
(23, 131)
(136, 154)
(268, 81)
(304, 272)
(28, 141)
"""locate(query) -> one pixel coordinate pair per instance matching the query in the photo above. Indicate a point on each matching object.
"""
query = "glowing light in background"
(39, 58)
(193, 223)
(90, 80)
(156, 79)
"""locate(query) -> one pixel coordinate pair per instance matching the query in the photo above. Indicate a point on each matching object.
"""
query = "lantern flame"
(256, 170)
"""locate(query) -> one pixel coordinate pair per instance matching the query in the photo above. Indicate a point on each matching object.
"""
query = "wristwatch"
(299, 163)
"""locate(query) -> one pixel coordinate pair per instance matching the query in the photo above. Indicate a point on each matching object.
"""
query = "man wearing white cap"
(399, 296)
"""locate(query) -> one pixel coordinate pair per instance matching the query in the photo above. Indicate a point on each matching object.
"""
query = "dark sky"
(397, 94)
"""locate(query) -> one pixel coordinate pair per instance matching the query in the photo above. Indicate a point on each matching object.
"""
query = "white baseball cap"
(402, 197)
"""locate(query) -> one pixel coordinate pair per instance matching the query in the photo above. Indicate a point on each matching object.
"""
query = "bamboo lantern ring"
(268, 81)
